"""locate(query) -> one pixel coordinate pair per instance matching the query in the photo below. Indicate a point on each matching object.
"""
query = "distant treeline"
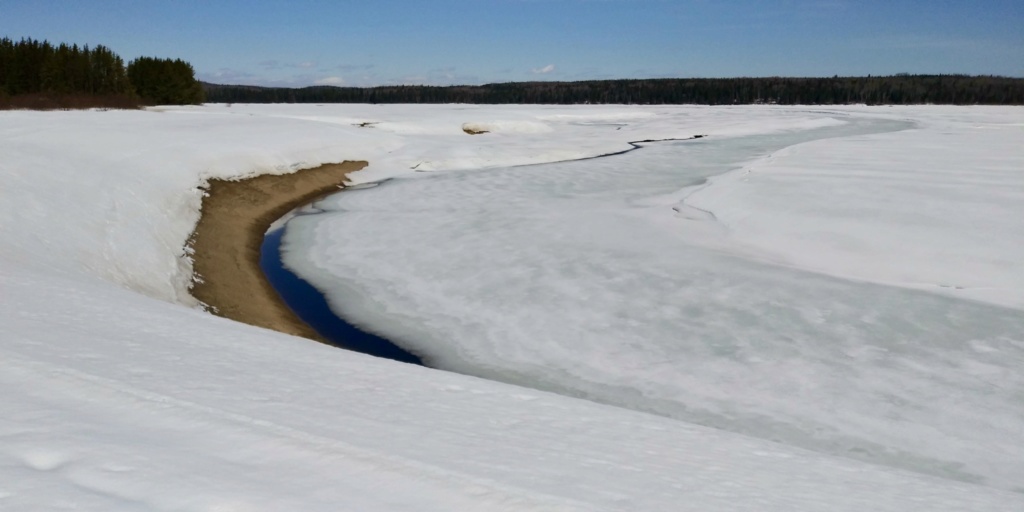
(37, 74)
(900, 89)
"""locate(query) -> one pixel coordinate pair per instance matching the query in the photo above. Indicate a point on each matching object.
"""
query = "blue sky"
(374, 42)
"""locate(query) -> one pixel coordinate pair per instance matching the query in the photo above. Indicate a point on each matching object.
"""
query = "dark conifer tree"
(6, 65)
(165, 81)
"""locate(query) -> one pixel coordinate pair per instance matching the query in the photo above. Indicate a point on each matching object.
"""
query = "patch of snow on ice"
(937, 208)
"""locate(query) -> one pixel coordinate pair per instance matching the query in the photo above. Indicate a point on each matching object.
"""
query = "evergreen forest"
(903, 89)
(38, 74)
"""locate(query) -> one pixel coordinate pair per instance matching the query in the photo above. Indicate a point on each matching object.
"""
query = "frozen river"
(614, 280)
(859, 296)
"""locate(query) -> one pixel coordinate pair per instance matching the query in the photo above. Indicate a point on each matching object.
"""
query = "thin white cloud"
(355, 67)
(227, 76)
(330, 80)
(919, 42)
(276, 64)
(544, 70)
(438, 76)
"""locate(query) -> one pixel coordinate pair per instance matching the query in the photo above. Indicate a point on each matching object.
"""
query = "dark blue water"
(310, 305)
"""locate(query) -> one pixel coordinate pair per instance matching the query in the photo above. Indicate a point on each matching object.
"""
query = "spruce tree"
(165, 81)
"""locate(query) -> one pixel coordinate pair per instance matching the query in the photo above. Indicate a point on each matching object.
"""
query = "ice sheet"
(605, 279)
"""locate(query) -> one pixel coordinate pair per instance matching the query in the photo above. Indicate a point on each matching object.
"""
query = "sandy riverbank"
(226, 243)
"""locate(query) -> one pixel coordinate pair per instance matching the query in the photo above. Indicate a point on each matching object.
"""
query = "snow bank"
(114, 194)
(118, 396)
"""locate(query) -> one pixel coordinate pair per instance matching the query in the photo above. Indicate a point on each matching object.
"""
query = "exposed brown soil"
(226, 243)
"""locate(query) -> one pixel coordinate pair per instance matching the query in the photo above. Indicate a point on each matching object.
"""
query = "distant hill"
(902, 89)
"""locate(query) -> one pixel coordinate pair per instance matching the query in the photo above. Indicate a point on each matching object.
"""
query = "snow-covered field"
(788, 307)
